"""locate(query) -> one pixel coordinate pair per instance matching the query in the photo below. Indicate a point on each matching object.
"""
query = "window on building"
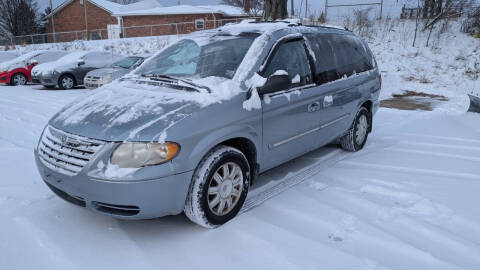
(200, 24)
(95, 35)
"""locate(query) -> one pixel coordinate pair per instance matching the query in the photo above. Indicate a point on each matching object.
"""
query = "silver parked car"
(192, 127)
(99, 77)
(70, 70)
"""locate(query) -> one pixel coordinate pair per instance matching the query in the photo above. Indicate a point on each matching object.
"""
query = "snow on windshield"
(200, 57)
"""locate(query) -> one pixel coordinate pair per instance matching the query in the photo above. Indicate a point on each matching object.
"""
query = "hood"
(115, 71)
(128, 111)
(20, 61)
(138, 109)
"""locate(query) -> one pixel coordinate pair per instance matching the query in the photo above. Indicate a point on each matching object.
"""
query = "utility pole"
(85, 2)
(306, 8)
(381, 9)
(53, 22)
(326, 9)
(292, 8)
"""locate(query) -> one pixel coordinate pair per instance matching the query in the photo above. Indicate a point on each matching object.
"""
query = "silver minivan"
(193, 126)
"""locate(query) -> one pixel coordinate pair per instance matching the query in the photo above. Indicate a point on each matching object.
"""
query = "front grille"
(91, 79)
(64, 152)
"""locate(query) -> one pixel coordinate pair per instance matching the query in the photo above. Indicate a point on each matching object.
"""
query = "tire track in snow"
(433, 153)
(402, 169)
(428, 239)
(324, 162)
(439, 145)
(457, 139)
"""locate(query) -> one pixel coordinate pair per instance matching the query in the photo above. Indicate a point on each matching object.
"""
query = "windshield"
(127, 62)
(217, 56)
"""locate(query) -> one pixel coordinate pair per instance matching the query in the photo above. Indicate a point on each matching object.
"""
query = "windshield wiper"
(173, 79)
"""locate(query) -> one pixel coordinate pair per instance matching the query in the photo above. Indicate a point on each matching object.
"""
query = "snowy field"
(408, 200)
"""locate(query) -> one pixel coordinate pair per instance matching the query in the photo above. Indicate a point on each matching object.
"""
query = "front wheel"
(66, 82)
(219, 187)
(357, 135)
(18, 79)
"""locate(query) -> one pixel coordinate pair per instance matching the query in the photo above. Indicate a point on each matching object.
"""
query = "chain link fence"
(175, 28)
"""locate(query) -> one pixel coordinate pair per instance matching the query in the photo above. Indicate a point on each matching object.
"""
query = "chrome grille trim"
(64, 152)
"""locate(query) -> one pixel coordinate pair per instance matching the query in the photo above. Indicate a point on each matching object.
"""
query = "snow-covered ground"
(408, 200)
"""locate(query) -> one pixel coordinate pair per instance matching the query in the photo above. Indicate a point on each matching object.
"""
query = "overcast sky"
(391, 7)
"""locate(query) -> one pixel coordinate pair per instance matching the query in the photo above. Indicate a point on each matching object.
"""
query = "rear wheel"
(66, 82)
(357, 136)
(219, 187)
(18, 79)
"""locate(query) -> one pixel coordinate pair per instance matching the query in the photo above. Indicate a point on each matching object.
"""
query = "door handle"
(314, 106)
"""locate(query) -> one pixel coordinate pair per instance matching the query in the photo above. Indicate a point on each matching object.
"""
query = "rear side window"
(338, 56)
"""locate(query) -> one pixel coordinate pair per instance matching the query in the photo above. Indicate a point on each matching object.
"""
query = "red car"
(17, 71)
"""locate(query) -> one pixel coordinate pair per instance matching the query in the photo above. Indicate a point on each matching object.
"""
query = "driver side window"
(292, 58)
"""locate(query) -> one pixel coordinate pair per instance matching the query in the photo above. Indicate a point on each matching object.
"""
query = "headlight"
(106, 78)
(136, 155)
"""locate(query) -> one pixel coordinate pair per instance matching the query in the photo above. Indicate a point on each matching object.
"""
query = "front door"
(290, 117)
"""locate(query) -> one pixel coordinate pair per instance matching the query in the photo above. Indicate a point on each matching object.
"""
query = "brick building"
(101, 19)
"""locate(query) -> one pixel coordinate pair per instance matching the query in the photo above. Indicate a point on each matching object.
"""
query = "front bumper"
(45, 80)
(92, 82)
(121, 199)
(5, 77)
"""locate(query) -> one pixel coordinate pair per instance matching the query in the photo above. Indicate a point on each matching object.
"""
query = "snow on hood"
(6, 56)
(63, 63)
(136, 110)
(18, 61)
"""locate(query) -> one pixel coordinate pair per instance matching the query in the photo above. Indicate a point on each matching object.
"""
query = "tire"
(357, 135)
(18, 79)
(66, 82)
(203, 208)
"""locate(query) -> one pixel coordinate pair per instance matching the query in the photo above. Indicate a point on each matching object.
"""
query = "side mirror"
(32, 62)
(80, 62)
(276, 83)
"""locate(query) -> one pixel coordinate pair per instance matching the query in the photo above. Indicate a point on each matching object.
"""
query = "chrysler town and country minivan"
(193, 126)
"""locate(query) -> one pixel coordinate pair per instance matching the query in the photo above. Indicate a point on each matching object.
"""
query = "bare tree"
(275, 9)
(19, 17)
(256, 6)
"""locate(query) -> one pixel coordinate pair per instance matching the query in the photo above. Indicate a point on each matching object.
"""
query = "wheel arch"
(16, 71)
(369, 106)
(67, 74)
(243, 138)
(248, 148)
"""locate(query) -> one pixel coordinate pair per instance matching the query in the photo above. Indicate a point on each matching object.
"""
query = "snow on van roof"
(184, 9)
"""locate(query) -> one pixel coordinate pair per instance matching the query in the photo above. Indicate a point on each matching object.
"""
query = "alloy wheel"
(67, 82)
(362, 129)
(225, 188)
(19, 80)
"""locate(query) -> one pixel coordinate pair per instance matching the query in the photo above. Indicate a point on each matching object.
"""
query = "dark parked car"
(192, 127)
(70, 70)
(101, 76)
